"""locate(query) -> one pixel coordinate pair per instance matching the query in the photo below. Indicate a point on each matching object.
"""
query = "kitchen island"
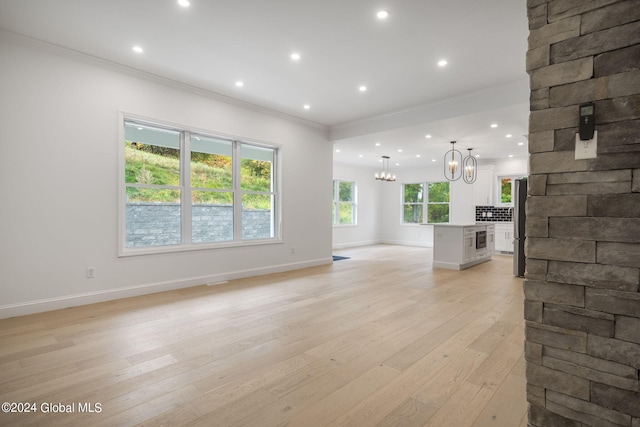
(460, 246)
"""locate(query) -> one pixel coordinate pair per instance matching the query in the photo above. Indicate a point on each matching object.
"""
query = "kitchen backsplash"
(493, 214)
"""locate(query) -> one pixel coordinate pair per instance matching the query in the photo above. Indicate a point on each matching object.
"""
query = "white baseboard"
(39, 306)
(407, 243)
(383, 242)
(447, 265)
(458, 266)
(356, 244)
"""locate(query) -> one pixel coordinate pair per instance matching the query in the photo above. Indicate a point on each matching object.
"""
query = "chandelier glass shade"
(453, 163)
(470, 168)
(385, 175)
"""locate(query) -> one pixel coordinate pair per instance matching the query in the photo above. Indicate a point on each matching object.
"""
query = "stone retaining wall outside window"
(157, 224)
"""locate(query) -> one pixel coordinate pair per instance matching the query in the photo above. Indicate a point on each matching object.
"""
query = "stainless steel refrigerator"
(519, 218)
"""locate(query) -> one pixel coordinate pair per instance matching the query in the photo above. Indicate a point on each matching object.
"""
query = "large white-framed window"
(344, 210)
(185, 190)
(425, 202)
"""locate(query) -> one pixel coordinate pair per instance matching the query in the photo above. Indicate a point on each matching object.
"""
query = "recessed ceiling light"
(239, 83)
(494, 125)
(184, 3)
(397, 164)
(382, 14)
(433, 160)
(337, 150)
(442, 63)
(377, 144)
(295, 56)
(418, 155)
(477, 156)
(361, 155)
(306, 106)
(427, 136)
(520, 143)
(138, 49)
(399, 150)
(510, 155)
(362, 88)
(508, 135)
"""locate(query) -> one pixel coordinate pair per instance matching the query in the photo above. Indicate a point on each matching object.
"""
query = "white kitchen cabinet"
(504, 238)
(483, 188)
(491, 239)
(469, 234)
(454, 246)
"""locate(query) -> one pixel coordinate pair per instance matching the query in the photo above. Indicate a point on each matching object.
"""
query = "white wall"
(365, 232)
(515, 166)
(59, 183)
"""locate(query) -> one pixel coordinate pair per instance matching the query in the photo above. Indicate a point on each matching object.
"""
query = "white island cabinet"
(457, 247)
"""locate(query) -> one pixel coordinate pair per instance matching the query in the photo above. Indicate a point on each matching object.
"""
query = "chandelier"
(452, 163)
(470, 166)
(385, 175)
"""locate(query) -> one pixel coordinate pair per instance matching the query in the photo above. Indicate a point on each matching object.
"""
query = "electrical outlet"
(91, 272)
(587, 149)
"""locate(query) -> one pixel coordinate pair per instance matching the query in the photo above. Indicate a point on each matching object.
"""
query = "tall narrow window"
(211, 189)
(413, 203)
(506, 190)
(152, 186)
(190, 189)
(438, 202)
(258, 192)
(344, 202)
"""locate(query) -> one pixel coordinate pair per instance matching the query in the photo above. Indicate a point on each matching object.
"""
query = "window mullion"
(276, 221)
(425, 202)
(338, 202)
(354, 214)
(237, 192)
(185, 179)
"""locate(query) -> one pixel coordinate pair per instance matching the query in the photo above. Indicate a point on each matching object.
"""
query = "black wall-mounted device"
(587, 121)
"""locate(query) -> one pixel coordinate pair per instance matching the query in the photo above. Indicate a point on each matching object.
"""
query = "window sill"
(129, 252)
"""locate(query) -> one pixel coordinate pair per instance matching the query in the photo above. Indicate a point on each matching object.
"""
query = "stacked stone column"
(582, 299)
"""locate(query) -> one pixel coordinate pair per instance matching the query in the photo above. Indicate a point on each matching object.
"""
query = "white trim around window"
(345, 203)
(425, 202)
(185, 189)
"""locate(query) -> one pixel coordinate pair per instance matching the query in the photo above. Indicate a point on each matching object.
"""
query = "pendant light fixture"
(470, 168)
(453, 163)
(385, 175)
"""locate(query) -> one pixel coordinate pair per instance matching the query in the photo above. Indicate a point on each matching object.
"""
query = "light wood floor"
(381, 339)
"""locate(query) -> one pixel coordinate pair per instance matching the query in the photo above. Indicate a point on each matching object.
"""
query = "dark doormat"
(338, 258)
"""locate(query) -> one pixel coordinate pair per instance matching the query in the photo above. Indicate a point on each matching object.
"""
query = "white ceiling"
(214, 43)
